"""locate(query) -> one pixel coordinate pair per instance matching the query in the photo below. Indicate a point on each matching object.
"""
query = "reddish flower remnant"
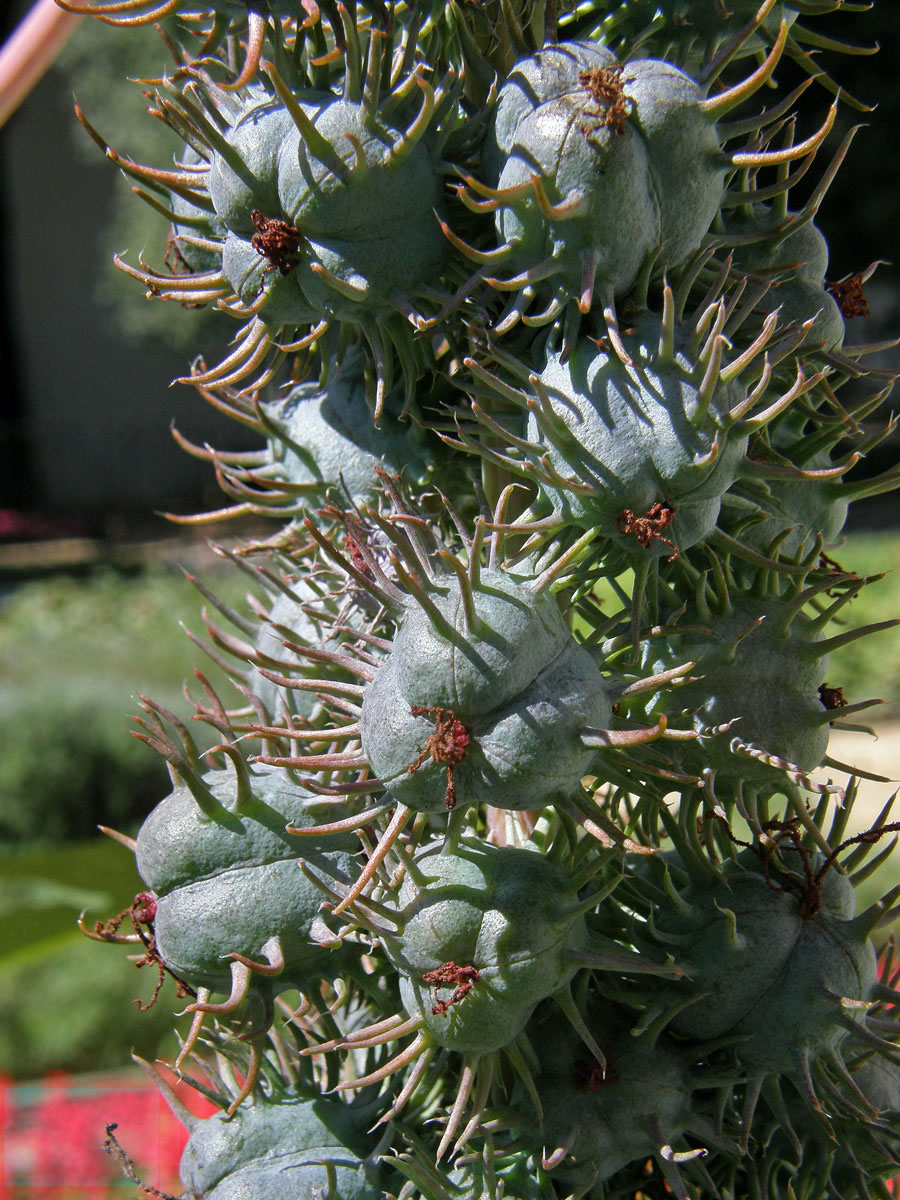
(448, 974)
(648, 529)
(850, 296)
(277, 241)
(605, 86)
(448, 744)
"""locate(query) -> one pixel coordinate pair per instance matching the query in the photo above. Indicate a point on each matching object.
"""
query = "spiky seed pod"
(321, 445)
(483, 695)
(767, 239)
(317, 165)
(218, 847)
(796, 260)
(480, 42)
(786, 969)
(509, 675)
(514, 1181)
(391, 176)
(198, 31)
(763, 663)
(793, 490)
(759, 935)
(196, 231)
(761, 673)
(506, 922)
(497, 1173)
(599, 1116)
(710, 18)
(233, 913)
(668, 111)
(878, 1078)
(309, 610)
(479, 933)
(486, 697)
(486, 40)
(228, 910)
(808, 1156)
(595, 148)
(643, 450)
(436, 668)
(679, 455)
(297, 618)
(799, 301)
(694, 29)
(317, 192)
(584, 147)
(549, 72)
(695, 32)
(289, 1145)
(325, 438)
(790, 515)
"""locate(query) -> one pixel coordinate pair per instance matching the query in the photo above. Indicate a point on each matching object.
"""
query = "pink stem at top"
(29, 51)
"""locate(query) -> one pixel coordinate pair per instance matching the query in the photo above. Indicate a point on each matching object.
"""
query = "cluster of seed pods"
(508, 872)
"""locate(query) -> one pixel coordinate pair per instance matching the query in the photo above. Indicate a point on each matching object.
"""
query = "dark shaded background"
(84, 409)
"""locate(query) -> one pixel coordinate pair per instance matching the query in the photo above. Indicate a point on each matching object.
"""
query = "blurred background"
(92, 590)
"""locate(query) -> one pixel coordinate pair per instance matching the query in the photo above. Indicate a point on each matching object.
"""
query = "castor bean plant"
(520, 865)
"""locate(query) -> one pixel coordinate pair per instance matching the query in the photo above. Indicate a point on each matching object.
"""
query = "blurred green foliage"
(43, 891)
(67, 1002)
(69, 765)
(73, 1009)
(870, 667)
(75, 655)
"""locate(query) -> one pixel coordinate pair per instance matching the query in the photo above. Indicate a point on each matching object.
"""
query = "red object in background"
(889, 973)
(52, 1135)
(29, 526)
